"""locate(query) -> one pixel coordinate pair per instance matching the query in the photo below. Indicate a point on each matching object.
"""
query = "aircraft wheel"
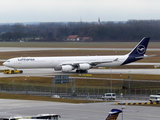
(86, 71)
(78, 71)
(81, 71)
(21, 71)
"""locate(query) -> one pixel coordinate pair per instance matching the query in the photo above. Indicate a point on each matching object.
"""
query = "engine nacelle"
(84, 66)
(67, 68)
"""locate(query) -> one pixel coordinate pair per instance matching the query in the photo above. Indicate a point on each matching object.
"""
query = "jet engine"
(67, 68)
(84, 66)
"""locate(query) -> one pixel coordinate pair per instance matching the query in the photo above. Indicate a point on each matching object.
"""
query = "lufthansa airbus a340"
(80, 63)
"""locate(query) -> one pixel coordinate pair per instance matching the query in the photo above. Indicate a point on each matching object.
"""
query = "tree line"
(131, 30)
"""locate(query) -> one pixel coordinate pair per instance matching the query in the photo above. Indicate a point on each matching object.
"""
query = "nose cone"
(4, 63)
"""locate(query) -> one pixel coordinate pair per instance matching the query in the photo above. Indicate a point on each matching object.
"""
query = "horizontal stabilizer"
(145, 56)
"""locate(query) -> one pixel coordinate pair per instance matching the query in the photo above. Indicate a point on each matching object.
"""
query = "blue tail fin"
(138, 51)
(113, 114)
(140, 48)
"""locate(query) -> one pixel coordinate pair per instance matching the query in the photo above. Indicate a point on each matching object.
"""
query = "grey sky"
(74, 10)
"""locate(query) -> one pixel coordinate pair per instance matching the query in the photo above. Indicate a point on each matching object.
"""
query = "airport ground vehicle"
(154, 98)
(109, 96)
(8, 71)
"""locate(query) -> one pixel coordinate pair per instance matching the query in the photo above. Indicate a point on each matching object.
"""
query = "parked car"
(109, 96)
(154, 98)
(55, 96)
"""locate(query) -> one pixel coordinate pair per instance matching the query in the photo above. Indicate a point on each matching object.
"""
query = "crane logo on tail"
(141, 49)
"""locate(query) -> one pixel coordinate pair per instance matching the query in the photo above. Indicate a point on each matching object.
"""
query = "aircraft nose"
(5, 64)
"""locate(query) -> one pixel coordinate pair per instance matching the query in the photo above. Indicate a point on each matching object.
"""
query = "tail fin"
(140, 48)
(138, 51)
(113, 114)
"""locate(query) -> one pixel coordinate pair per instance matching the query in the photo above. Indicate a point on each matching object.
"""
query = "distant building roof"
(72, 37)
(77, 38)
(86, 38)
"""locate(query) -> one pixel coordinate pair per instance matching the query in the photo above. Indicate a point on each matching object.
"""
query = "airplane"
(80, 63)
(113, 114)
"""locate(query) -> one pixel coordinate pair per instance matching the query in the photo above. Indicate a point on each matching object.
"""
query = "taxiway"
(52, 72)
(68, 111)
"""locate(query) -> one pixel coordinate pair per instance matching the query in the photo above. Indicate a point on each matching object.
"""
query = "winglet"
(113, 114)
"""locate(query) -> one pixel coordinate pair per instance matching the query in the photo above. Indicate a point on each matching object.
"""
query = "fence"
(131, 89)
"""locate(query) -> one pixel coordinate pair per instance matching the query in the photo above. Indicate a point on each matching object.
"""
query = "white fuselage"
(57, 62)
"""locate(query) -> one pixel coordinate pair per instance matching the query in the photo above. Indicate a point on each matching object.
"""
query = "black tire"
(81, 71)
(77, 71)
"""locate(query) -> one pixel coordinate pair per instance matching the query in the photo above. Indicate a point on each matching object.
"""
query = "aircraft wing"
(94, 63)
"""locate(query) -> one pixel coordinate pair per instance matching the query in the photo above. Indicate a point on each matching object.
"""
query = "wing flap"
(100, 62)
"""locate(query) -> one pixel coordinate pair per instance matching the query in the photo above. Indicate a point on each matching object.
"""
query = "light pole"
(13, 85)
(26, 85)
(123, 107)
(121, 97)
(129, 84)
(111, 78)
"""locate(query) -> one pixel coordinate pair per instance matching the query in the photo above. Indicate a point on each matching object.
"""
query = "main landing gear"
(81, 71)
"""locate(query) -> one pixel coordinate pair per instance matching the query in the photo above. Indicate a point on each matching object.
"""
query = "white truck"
(154, 98)
(109, 96)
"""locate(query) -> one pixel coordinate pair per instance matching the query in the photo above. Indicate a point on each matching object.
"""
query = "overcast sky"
(76, 10)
